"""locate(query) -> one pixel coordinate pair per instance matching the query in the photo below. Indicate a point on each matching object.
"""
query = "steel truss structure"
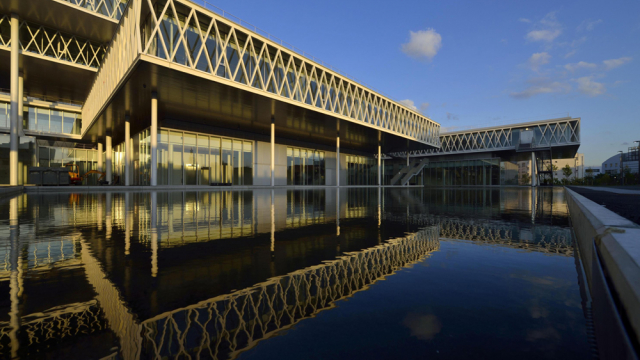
(225, 326)
(39, 41)
(184, 36)
(110, 8)
(546, 239)
(549, 133)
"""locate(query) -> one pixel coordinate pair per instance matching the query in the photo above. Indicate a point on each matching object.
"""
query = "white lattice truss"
(225, 326)
(110, 8)
(205, 44)
(39, 41)
(548, 239)
(550, 133)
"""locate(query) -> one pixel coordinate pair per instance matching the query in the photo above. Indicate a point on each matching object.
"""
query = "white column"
(338, 158)
(107, 158)
(100, 151)
(533, 169)
(379, 164)
(14, 74)
(21, 105)
(273, 152)
(127, 151)
(154, 139)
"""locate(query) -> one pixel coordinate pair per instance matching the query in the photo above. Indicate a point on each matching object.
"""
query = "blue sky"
(480, 63)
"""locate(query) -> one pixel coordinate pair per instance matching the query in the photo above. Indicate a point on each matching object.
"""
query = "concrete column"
(107, 158)
(21, 105)
(100, 151)
(379, 164)
(533, 169)
(127, 151)
(14, 139)
(154, 139)
(338, 158)
(407, 158)
(273, 152)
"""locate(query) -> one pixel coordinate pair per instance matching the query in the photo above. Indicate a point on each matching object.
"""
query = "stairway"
(407, 172)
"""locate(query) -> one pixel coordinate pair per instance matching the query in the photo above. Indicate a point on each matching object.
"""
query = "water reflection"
(167, 274)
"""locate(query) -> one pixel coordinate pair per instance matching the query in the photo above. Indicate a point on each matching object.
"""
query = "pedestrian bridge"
(560, 135)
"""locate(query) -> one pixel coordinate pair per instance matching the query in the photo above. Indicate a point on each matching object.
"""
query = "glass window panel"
(290, 167)
(32, 119)
(56, 121)
(297, 175)
(190, 162)
(42, 119)
(163, 157)
(175, 149)
(4, 116)
(227, 162)
(43, 157)
(247, 162)
(204, 169)
(216, 172)
(237, 162)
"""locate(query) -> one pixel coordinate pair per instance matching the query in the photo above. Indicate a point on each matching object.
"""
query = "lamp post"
(621, 174)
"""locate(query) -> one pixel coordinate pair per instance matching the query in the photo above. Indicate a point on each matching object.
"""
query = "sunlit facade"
(171, 93)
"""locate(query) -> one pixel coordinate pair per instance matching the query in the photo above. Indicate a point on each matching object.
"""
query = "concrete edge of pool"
(609, 247)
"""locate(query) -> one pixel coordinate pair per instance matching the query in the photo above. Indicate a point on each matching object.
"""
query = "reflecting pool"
(291, 274)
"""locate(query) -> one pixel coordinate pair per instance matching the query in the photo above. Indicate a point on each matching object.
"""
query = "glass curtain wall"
(45, 120)
(483, 172)
(305, 167)
(86, 160)
(198, 159)
(362, 170)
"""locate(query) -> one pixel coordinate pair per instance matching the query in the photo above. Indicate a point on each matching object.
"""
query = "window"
(305, 167)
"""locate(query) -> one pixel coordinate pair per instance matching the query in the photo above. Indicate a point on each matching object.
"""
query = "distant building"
(576, 164)
(617, 162)
(594, 170)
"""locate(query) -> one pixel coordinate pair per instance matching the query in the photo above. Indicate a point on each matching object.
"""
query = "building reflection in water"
(164, 274)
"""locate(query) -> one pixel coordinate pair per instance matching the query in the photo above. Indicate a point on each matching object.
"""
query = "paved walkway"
(623, 202)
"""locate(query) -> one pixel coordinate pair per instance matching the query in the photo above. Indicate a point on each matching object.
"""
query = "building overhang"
(49, 79)
(190, 101)
(63, 16)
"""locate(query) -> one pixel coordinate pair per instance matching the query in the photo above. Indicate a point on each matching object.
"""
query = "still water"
(291, 274)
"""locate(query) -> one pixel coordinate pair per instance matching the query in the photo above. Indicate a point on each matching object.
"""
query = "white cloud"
(409, 103)
(423, 44)
(588, 25)
(424, 107)
(587, 86)
(524, 20)
(614, 63)
(546, 30)
(570, 54)
(541, 86)
(580, 65)
(538, 59)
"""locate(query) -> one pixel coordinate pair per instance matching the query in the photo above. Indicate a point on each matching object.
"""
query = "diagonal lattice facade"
(112, 9)
(52, 44)
(185, 34)
(225, 326)
(547, 134)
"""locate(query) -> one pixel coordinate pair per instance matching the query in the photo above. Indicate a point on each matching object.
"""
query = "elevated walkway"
(405, 174)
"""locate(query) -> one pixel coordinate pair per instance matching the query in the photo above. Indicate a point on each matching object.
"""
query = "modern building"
(622, 161)
(171, 92)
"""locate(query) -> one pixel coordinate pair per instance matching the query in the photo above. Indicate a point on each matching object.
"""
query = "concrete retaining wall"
(608, 240)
